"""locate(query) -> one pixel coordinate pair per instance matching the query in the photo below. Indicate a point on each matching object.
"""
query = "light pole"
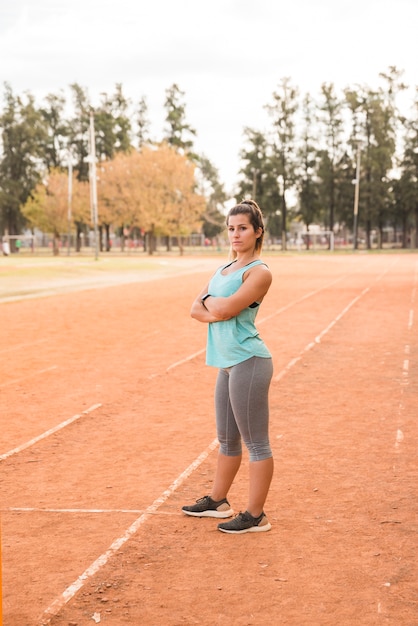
(255, 174)
(93, 184)
(282, 192)
(356, 197)
(70, 197)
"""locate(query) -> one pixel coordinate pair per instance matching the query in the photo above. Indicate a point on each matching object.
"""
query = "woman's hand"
(255, 285)
(199, 310)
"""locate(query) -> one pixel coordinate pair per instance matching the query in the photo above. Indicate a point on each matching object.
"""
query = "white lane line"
(26, 509)
(47, 433)
(185, 360)
(70, 592)
(22, 346)
(37, 373)
(399, 437)
(299, 300)
(318, 338)
(411, 319)
(261, 321)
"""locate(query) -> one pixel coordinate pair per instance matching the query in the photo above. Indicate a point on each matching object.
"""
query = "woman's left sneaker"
(246, 523)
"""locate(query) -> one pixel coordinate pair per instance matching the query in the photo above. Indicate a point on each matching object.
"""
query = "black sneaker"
(246, 523)
(206, 507)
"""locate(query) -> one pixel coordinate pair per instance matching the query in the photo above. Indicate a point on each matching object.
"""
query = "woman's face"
(241, 234)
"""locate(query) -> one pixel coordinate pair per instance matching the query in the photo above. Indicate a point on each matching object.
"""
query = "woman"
(229, 305)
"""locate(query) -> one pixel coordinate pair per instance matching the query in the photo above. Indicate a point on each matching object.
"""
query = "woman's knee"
(230, 448)
(259, 451)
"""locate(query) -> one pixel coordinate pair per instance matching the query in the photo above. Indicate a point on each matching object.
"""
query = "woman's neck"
(245, 259)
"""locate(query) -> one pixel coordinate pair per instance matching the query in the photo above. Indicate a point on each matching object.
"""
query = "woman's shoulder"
(259, 265)
(261, 269)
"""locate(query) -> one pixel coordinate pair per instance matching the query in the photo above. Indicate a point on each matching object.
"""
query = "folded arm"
(253, 289)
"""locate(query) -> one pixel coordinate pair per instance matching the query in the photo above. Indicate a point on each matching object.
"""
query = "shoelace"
(204, 499)
(247, 517)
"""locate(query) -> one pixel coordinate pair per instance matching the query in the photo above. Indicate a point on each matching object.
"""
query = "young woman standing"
(229, 305)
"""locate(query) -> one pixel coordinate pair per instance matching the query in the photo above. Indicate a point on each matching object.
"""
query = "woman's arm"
(255, 285)
(199, 310)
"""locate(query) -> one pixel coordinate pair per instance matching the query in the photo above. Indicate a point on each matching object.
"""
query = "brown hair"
(250, 208)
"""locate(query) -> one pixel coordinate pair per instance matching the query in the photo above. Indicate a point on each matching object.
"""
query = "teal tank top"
(232, 341)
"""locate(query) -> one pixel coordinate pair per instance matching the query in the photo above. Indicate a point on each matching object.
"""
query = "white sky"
(228, 56)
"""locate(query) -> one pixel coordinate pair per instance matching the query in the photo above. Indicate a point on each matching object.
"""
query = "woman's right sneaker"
(206, 507)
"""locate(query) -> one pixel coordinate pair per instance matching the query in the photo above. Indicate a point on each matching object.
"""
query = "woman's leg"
(226, 470)
(261, 473)
(230, 453)
(249, 386)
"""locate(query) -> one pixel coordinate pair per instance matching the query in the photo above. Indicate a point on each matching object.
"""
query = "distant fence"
(42, 243)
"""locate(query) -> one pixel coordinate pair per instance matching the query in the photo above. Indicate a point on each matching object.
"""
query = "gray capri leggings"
(242, 410)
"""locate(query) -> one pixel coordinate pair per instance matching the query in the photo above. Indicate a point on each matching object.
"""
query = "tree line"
(145, 187)
(301, 168)
(317, 150)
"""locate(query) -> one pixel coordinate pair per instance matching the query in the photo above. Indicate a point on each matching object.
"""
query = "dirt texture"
(107, 429)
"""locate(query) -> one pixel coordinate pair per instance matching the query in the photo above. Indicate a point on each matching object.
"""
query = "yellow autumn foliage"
(153, 189)
(48, 208)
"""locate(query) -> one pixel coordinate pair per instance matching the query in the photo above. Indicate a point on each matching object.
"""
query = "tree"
(47, 209)
(112, 125)
(282, 111)
(259, 177)
(120, 193)
(153, 190)
(79, 143)
(143, 123)
(405, 194)
(373, 124)
(57, 129)
(332, 120)
(210, 188)
(178, 132)
(166, 181)
(24, 137)
(307, 180)
(79, 131)
(406, 190)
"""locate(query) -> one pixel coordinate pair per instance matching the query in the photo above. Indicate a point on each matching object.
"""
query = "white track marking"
(318, 338)
(185, 360)
(399, 437)
(411, 319)
(22, 346)
(47, 433)
(38, 373)
(69, 593)
(27, 509)
(299, 300)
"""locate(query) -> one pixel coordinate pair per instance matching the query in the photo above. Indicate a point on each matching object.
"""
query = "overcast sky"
(228, 56)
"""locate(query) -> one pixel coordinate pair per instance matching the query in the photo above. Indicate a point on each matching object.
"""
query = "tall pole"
(356, 198)
(70, 198)
(93, 185)
(255, 172)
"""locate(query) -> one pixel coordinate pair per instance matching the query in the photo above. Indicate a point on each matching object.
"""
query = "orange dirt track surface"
(107, 429)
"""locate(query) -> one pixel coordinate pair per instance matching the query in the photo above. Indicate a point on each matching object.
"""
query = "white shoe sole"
(217, 514)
